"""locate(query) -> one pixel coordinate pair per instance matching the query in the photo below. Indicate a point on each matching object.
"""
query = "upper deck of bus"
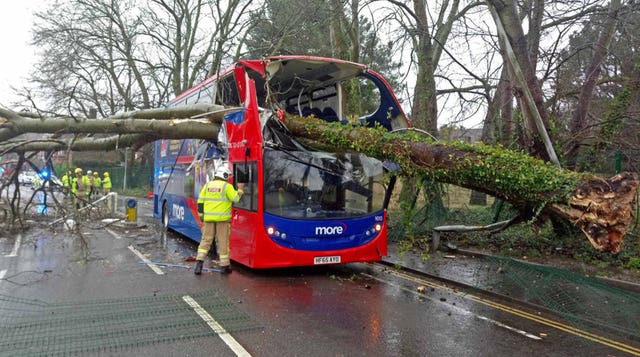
(297, 83)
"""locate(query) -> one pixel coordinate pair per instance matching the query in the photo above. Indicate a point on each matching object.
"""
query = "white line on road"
(153, 267)
(498, 323)
(217, 328)
(464, 311)
(16, 246)
(114, 234)
(2, 273)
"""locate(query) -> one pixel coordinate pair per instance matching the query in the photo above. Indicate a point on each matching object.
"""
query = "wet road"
(350, 310)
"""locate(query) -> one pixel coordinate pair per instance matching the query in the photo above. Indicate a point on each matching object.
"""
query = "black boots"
(198, 269)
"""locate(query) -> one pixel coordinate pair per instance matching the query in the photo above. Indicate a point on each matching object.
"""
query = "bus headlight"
(377, 227)
(274, 232)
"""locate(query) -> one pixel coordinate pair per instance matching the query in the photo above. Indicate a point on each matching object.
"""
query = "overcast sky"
(17, 56)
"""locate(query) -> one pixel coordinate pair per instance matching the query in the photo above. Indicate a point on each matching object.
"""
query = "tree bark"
(137, 127)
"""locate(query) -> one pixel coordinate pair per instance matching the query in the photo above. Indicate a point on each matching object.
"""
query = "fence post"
(126, 157)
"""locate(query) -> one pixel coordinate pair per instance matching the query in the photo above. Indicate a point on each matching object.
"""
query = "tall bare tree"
(428, 35)
(116, 55)
(580, 120)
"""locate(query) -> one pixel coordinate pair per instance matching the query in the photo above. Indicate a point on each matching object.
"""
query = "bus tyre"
(165, 217)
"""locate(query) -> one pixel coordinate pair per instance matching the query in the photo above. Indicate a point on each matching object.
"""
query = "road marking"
(217, 328)
(153, 267)
(518, 331)
(460, 309)
(146, 261)
(114, 234)
(16, 246)
(2, 273)
(548, 322)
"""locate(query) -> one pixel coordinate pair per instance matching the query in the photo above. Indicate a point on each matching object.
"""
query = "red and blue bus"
(300, 206)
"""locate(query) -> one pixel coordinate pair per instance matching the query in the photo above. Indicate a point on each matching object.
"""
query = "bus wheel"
(165, 217)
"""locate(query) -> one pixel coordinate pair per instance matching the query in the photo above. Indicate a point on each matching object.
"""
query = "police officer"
(214, 209)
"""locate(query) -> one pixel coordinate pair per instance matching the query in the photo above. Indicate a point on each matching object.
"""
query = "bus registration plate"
(327, 260)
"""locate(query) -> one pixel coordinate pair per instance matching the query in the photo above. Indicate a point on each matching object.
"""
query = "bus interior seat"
(277, 199)
(328, 114)
(292, 109)
(306, 111)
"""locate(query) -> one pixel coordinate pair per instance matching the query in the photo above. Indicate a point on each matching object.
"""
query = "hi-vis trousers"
(220, 231)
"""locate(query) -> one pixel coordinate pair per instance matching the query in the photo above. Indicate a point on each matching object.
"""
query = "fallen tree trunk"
(165, 124)
(601, 208)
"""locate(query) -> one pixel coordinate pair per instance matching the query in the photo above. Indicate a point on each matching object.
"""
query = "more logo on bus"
(331, 230)
(178, 211)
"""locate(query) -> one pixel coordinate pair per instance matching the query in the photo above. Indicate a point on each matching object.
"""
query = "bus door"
(244, 136)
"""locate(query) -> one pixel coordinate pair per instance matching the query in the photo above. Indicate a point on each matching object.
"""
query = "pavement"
(474, 268)
(585, 302)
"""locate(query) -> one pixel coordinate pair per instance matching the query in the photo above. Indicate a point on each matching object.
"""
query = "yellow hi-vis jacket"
(97, 183)
(215, 200)
(106, 182)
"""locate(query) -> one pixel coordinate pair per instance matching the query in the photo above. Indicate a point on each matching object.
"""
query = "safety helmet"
(223, 172)
(78, 170)
(106, 174)
(89, 172)
(96, 173)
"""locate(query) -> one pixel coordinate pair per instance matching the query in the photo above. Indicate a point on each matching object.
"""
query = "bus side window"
(189, 185)
(227, 93)
(246, 173)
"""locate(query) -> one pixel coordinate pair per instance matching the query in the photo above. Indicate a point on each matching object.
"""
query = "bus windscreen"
(320, 185)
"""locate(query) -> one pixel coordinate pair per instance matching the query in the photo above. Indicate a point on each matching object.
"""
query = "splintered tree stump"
(603, 209)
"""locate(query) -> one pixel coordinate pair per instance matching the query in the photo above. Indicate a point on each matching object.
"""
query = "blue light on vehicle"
(44, 174)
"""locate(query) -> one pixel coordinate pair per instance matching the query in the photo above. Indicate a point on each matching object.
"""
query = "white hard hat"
(89, 172)
(223, 172)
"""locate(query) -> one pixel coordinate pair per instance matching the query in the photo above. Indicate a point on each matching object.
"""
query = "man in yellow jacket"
(214, 207)
(67, 179)
(96, 185)
(80, 189)
(106, 184)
